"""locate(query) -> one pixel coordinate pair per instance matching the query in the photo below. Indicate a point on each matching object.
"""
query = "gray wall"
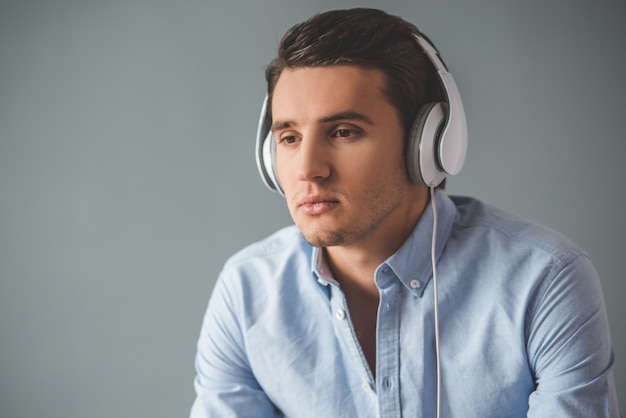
(127, 172)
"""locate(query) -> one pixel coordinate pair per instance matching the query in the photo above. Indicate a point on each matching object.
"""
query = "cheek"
(282, 171)
(376, 167)
(288, 183)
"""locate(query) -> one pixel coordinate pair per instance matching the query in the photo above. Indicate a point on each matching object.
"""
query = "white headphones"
(437, 142)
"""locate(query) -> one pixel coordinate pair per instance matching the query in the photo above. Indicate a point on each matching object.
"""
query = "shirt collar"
(320, 268)
(411, 264)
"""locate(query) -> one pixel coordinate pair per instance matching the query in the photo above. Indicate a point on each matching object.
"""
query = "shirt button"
(367, 386)
(340, 314)
(414, 284)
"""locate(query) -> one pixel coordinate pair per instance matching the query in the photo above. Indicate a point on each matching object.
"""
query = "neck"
(355, 264)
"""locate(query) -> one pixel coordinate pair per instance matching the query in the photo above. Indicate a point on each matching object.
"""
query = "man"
(341, 315)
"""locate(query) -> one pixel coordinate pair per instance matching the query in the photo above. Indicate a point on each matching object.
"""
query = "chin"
(326, 238)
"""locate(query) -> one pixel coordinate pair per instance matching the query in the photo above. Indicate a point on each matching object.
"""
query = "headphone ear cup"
(266, 150)
(269, 162)
(422, 146)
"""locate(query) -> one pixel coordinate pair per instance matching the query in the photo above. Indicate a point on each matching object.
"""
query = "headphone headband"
(455, 125)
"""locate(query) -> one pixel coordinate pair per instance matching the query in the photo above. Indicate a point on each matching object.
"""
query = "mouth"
(317, 205)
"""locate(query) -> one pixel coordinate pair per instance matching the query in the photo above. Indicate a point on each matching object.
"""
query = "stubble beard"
(380, 203)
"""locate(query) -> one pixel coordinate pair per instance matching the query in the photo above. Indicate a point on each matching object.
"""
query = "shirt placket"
(364, 385)
(388, 344)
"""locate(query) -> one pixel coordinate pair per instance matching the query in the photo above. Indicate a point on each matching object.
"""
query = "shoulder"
(256, 272)
(265, 278)
(268, 264)
(281, 244)
(496, 227)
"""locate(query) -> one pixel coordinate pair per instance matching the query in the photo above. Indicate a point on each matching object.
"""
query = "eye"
(287, 139)
(345, 133)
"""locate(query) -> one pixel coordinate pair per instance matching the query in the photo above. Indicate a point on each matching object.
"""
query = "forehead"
(311, 91)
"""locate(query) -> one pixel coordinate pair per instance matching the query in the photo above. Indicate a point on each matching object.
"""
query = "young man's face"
(339, 154)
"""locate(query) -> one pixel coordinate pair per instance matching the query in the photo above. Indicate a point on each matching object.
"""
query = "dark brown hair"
(368, 38)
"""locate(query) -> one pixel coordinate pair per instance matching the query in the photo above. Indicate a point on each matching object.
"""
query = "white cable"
(436, 297)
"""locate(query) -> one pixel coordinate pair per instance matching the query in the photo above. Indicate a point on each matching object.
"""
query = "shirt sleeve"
(569, 347)
(225, 384)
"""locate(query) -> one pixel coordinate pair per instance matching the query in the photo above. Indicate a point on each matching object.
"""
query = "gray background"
(127, 172)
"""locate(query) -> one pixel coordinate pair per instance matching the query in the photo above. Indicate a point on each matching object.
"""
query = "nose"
(313, 159)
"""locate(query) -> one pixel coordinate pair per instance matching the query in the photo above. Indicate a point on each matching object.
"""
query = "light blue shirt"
(523, 328)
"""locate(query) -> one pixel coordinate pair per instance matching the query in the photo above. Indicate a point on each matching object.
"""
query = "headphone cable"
(436, 298)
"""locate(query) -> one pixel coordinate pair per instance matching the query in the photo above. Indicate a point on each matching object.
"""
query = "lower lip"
(317, 208)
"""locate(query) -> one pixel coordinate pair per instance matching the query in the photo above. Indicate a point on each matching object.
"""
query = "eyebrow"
(348, 115)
